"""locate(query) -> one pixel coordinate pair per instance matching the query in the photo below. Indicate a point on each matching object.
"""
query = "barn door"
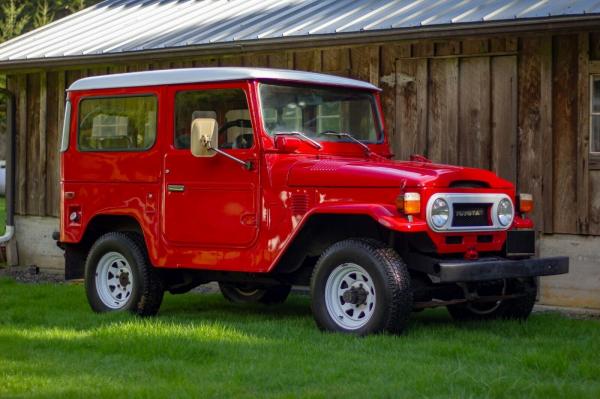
(459, 110)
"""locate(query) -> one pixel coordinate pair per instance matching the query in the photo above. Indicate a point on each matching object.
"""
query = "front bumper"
(498, 268)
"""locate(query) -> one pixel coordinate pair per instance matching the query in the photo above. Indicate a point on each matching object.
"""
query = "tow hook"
(471, 254)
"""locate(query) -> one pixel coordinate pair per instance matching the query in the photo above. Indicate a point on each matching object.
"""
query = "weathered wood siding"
(515, 105)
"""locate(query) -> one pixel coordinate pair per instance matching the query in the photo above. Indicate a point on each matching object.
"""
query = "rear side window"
(117, 123)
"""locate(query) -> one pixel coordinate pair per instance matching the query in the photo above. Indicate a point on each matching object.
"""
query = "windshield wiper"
(303, 136)
(351, 137)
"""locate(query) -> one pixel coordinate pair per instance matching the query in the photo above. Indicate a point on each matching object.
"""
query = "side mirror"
(204, 137)
(287, 144)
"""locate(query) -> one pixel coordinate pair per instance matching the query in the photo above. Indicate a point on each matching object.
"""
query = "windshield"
(317, 110)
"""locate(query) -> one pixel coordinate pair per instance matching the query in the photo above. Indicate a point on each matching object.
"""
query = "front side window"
(228, 106)
(317, 110)
(595, 117)
(117, 123)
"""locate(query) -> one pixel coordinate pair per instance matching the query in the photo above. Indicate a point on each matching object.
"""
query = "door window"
(228, 106)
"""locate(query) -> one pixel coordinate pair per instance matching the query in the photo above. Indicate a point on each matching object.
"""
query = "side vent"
(299, 203)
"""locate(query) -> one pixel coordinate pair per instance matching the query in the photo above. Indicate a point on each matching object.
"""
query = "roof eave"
(582, 22)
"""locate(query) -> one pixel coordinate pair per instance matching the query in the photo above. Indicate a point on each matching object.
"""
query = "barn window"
(117, 123)
(595, 117)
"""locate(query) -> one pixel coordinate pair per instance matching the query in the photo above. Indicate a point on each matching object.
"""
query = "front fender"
(385, 215)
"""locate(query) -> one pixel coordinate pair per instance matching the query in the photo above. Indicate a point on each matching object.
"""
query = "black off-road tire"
(391, 279)
(238, 293)
(514, 309)
(147, 289)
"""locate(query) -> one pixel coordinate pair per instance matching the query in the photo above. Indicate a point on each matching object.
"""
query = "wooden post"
(547, 137)
(41, 202)
(583, 135)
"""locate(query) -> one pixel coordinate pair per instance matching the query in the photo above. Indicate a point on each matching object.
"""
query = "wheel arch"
(320, 231)
(76, 253)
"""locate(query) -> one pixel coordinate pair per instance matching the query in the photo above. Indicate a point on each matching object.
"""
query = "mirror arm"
(245, 164)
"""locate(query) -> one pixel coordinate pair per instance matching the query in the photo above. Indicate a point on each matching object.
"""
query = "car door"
(213, 201)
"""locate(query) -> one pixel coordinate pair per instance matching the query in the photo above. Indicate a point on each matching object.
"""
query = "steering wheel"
(244, 123)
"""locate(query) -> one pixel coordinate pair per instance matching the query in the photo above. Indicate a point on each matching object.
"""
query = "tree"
(14, 20)
(43, 15)
(17, 17)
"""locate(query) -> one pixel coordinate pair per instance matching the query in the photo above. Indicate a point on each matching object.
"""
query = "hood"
(386, 173)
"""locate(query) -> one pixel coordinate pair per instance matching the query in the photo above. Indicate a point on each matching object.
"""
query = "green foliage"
(14, 19)
(20, 16)
(17, 16)
(199, 346)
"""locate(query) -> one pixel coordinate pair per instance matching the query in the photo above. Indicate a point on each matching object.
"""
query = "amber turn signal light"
(525, 203)
(409, 203)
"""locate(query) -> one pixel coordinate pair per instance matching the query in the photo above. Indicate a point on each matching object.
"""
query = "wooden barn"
(509, 86)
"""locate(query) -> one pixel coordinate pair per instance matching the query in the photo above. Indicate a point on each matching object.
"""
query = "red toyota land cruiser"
(261, 179)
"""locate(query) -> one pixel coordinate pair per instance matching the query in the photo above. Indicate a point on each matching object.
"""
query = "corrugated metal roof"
(129, 26)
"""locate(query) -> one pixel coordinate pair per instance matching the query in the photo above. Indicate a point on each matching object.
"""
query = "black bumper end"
(496, 269)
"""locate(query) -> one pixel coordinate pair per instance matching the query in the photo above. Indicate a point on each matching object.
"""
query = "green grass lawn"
(53, 346)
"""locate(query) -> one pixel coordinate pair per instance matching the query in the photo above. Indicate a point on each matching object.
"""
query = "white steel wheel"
(114, 280)
(350, 296)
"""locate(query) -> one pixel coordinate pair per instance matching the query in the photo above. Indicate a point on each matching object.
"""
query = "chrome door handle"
(177, 188)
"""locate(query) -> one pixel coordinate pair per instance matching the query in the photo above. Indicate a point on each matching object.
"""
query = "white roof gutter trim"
(203, 75)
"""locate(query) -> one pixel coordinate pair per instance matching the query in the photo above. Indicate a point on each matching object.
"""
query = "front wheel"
(517, 308)
(119, 276)
(361, 287)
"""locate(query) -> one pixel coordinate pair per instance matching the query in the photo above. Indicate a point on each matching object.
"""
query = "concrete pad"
(35, 245)
(580, 288)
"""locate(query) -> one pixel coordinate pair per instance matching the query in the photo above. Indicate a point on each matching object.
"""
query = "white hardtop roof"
(203, 75)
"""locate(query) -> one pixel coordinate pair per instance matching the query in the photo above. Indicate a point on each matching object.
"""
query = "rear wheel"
(244, 293)
(361, 287)
(518, 308)
(119, 276)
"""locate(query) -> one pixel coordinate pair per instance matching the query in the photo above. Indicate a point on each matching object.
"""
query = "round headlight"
(440, 212)
(505, 212)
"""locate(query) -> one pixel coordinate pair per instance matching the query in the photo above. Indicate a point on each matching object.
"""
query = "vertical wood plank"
(529, 153)
(448, 47)
(21, 162)
(504, 116)
(475, 46)
(595, 46)
(360, 63)
(583, 134)
(206, 62)
(374, 64)
(442, 135)
(277, 60)
(594, 202)
(256, 60)
(337, 61)
(546, 133)
(42, 124)
(474, 112)
(389, 56)
(304, 60)
(52, 146)
(424, 48)
(231, 61)
(411, 107)
(564, 125)
(65, 79)
(33, 144)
